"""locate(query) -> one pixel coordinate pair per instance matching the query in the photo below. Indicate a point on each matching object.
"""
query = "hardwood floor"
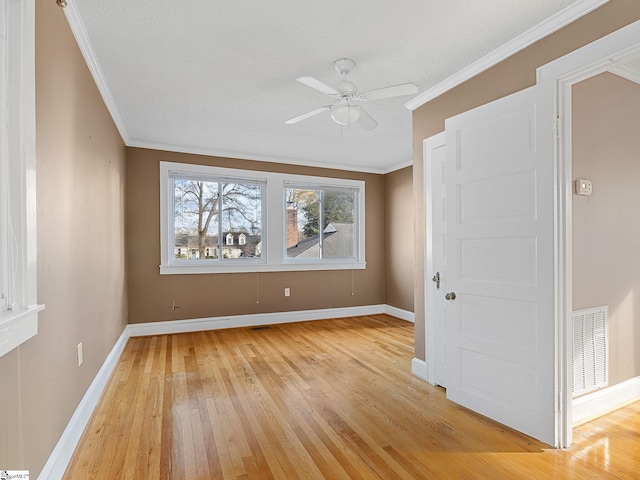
(316, 400)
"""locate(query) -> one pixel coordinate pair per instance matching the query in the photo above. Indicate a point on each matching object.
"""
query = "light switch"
(583, 187)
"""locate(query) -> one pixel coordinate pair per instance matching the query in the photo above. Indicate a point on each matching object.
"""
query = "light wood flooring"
(327, 399)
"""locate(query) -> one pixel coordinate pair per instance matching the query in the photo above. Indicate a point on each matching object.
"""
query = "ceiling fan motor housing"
(346, 89)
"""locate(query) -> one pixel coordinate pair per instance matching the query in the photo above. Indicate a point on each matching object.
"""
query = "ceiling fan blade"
(394, 91)
(317, 85)
(304, 116)
(365, 119)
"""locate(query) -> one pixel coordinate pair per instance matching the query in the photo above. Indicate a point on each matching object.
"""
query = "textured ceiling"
(219, 77)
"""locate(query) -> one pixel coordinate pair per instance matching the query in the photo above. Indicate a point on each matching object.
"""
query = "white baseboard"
(603, 401)
(399, 313)
(59, 459)
(419, 368)
(61, 456)
(252, 320)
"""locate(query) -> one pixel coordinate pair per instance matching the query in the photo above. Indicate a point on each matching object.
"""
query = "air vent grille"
(590, 349)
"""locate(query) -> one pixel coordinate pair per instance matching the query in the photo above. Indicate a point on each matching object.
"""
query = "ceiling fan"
(345, 110)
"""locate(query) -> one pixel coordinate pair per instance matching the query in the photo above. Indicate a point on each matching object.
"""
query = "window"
(207, 208)
(219, 220)
(323, 222)
(18, 309)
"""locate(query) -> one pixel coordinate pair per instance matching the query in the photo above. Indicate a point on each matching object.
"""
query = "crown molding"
(82, 39)
(249, 156)
(626, 71)
(398, 166)
(552, 24)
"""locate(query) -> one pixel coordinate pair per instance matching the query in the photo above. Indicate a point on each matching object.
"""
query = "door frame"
(587, 61)
(590, 60)
(428, 144)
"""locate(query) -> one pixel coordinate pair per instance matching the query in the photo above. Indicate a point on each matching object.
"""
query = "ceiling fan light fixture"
(343, 111)
(344, 114)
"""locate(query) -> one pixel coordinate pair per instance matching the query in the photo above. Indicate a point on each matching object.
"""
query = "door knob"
(450, 296)
(436, 279)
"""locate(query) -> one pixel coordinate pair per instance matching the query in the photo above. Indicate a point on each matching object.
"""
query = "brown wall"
(81, 276)
(606, 225)
(151, 295)
(81, 228)
(398, 232)
(513, 74)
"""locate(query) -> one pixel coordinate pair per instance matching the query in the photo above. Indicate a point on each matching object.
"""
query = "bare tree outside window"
(207, 212)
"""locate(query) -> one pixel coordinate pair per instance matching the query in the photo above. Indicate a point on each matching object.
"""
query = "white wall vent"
(590, 349)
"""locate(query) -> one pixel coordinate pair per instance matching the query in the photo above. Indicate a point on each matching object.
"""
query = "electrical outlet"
(287, 292)
(80, 356)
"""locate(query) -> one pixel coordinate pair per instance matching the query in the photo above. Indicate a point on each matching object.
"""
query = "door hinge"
(556, 126)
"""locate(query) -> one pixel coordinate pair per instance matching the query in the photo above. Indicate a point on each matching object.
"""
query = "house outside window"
(253, 221)
(206, 206)
(326, 218)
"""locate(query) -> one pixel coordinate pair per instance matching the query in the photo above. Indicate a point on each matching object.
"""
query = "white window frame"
(327, 185)
(18, 269)
(273, 228)
(170, 171)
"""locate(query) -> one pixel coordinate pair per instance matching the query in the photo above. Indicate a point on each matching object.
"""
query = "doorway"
(597, 57)
(605, 238)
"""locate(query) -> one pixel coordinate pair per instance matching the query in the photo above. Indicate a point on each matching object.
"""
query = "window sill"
(17, 328)
(257, 268)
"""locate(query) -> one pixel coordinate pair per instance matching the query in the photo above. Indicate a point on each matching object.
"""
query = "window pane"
(320, 223)
(195, 219)
(241, 220)
(338, 207)
(303, 220)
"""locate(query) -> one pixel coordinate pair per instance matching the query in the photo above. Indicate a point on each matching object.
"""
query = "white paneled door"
(500, 261)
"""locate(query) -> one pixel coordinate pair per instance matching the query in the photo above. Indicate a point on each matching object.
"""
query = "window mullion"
(219, 221)
(321, 222)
